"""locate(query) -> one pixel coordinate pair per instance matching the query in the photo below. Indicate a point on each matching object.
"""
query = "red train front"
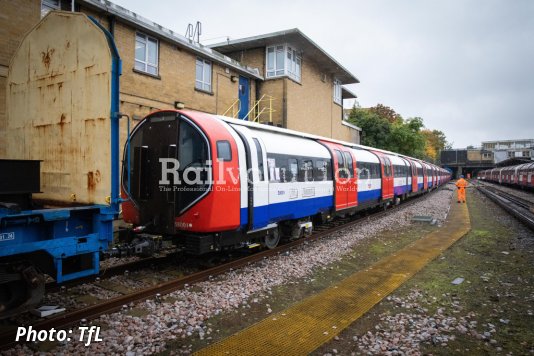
(171, 175)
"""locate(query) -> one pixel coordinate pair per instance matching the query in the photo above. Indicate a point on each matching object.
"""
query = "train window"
(375, 170)
(387, 169)
(259, 153)
(193, 156)
(305, 170)
(350, 165)
(364, 170)
(276, 168)
(341, 167)
(320, 172)
(292, 170)
(224, 151)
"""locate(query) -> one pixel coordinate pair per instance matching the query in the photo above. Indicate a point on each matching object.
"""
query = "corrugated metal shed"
(58, 107)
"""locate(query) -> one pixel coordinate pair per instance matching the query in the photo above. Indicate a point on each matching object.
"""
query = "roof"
(159, 31)
(298, 39)
(347, 94)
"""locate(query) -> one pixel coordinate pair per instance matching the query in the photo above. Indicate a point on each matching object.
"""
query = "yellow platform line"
(307, 325)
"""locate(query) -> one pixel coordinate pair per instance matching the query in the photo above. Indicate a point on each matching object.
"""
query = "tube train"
(214, 183)
(521, 175)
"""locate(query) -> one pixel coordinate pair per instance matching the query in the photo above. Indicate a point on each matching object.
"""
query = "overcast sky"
(466, 67)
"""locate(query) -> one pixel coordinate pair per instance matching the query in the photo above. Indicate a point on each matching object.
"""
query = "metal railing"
(234, 109)
(261, 111)
(262, 107)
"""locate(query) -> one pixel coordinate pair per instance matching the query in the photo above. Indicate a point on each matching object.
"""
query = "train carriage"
(521, 175)
(210, 182)
(401, 171)
(369, 180)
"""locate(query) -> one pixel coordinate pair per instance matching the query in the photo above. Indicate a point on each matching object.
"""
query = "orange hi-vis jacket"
(461, 183)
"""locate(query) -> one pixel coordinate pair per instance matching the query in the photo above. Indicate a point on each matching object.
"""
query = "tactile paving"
(308, 324)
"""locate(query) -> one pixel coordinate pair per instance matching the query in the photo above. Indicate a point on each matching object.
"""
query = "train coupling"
(143, 245)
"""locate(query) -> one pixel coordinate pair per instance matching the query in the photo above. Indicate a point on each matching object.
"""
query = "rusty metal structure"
(63, 90)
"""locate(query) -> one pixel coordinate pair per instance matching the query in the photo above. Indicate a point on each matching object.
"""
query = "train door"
(157, 203)
(345, 179)
(406, 172)
(352, 183)
(258, 186)
(415, 186)
(387, 176)
(425, 177)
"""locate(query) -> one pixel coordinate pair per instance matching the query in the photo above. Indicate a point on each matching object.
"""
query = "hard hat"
(462, 176)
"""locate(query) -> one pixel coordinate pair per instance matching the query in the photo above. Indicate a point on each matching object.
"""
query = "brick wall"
(140, 94)
(307, 106)
(175, 81)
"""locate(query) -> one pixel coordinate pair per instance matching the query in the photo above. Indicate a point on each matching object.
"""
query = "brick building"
(162, 70)
(305, 82)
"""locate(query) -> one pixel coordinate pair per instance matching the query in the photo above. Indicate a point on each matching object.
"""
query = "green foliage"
(383, 128)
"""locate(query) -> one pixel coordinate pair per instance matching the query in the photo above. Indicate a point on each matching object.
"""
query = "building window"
(337, 91)
(203, 75)
(283, 60)
(49, 5)
(146, 54)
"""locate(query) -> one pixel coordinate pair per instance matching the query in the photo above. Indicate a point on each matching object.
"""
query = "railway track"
(111, 271)
(520, 208)
(83, 315)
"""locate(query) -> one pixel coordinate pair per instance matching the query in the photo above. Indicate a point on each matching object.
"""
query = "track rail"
(116, 270)
(7, 338)
(520, 208)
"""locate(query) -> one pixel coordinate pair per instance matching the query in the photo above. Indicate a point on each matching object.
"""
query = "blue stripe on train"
(295, 209)
(403, 189)
(369, 195)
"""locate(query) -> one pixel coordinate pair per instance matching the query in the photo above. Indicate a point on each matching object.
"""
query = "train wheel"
(272, 239)
(21, 289)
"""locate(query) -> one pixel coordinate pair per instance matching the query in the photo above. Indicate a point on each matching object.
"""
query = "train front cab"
(183, 182)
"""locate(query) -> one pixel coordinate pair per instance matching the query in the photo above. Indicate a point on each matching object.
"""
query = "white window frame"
(337, 94)
(291, 65)
(49, 5)
(143, 65)
(203, 83)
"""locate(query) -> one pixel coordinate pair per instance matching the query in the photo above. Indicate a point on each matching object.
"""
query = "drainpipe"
(111, 21)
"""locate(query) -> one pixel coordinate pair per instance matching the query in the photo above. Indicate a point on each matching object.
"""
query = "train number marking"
(6, 236)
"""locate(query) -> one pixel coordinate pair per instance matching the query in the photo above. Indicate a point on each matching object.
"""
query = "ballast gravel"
(185, 316)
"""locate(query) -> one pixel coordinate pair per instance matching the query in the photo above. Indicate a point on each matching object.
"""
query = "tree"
(375, 130)
(384, 128)
(406, 137)
(386, 112)
(436, 141)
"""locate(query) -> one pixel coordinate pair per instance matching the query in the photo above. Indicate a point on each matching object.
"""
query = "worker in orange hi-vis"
(461, 184)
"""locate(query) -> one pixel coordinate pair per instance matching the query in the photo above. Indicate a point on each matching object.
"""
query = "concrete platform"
(307, 325)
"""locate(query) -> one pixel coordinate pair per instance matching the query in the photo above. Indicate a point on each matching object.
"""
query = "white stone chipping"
(191, 307)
